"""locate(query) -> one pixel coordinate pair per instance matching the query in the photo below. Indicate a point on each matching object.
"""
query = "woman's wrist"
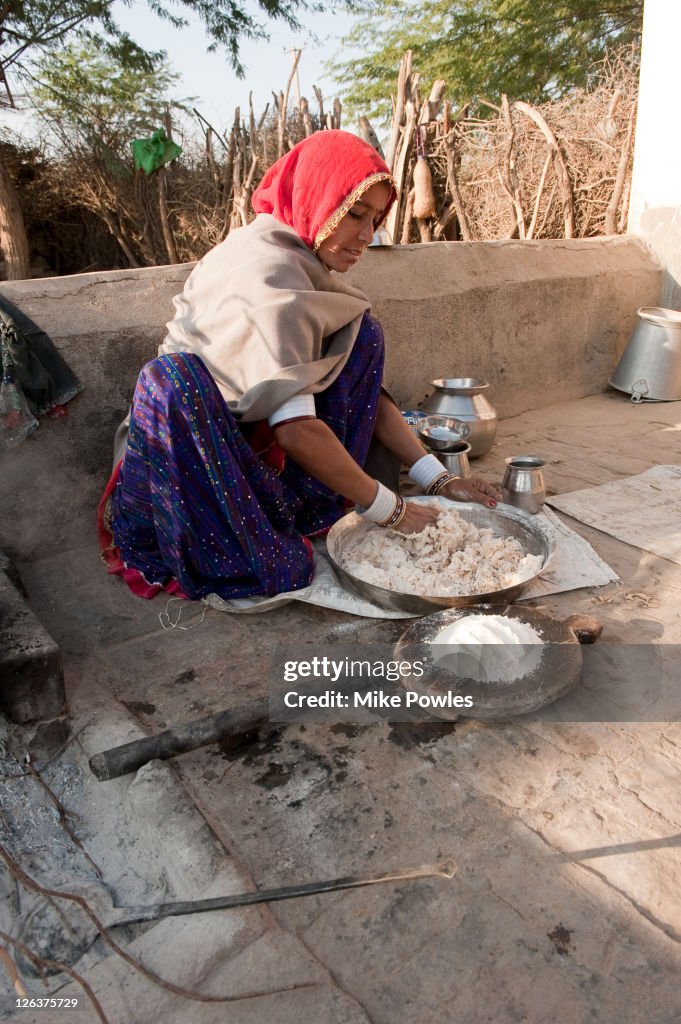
(398, 514)
(382, 507)
(441, 482)
(387, 509)
(425, 470)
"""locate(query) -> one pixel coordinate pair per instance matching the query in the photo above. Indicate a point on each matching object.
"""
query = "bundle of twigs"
(560, 170)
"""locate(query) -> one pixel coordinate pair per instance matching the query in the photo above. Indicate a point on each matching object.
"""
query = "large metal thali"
(558, 672)
(504, 521)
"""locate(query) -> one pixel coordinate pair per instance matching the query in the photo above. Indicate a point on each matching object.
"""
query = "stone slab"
(31, 672)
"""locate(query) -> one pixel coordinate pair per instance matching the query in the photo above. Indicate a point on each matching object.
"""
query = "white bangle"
(382, 507)
(425, 470)
(299, 405)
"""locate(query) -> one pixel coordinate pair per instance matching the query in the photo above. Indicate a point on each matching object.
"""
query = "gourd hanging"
(424, 200)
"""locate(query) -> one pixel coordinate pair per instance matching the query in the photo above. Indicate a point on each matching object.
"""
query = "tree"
(31, 27)
(84, 97)
(91, 109)
(530, 50)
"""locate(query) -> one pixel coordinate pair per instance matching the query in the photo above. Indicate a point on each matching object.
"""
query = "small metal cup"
(523, 483)
(456, 459)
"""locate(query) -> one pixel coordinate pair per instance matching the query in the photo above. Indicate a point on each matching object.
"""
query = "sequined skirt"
(193, 509)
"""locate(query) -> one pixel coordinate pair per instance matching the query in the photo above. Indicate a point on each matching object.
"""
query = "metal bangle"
(396, 514)
(401, 516)
(433, 486)
(440, 484)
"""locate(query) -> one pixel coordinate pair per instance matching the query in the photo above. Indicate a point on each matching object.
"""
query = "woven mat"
(643, 510)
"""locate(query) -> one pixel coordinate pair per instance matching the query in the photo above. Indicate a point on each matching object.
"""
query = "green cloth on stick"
(150, 154)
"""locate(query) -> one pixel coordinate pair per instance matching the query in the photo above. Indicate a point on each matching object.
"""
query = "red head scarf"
(313, 187)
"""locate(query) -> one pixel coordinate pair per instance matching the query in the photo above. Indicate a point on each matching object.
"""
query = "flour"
(449, 557)
(488, 648)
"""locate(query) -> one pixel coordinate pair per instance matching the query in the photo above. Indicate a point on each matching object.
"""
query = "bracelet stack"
(428, 473)
(440, 482)
(387, 509)
(398, 514)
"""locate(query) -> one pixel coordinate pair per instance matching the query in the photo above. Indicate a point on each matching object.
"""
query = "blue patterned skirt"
(193, 507)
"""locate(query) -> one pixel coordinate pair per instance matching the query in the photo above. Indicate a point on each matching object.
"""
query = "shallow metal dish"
(504, 521)
(457, 429)
(559, 671)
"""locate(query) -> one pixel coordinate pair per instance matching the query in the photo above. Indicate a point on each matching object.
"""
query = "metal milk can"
(463, 398)
(523, 483)
(650, 367)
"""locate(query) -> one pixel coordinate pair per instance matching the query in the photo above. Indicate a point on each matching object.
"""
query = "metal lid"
(460, 384)
(658, 315)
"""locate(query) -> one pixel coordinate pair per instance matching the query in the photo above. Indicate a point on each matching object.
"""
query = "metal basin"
(504, 521)
(650, 367)
(558, 672)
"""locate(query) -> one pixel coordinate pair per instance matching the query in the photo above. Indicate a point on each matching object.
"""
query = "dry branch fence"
(560, 170)
(512, 170)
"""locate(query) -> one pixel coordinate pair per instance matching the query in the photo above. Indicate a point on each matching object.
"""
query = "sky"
(209, 79)
(268, 64)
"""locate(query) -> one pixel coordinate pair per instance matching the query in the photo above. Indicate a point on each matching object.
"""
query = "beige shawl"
(266, 317)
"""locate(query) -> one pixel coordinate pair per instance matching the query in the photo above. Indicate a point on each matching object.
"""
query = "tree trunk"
(13, 238)
(165, 219)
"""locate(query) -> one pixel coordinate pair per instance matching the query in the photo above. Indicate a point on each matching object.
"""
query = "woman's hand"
(416, 517)
(472, 489)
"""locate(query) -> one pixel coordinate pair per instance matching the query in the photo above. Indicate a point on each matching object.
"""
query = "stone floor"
(567, 900)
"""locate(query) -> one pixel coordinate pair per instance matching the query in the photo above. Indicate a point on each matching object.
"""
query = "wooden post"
(369, 135)
(613, 205)
(283, 96)
(308, 127)
(562, 172)
(509, 178)
(457, 201)
(228, 175)
(408, 218)
(162, 183)
(13, 237)
(430, 108)
(320, 101)
(403, 77)
(400, 168)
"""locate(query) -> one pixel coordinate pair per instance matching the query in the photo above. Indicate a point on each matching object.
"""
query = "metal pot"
(442, 433)
(523, 483)
(456, 460)
(463, 398)
(650, 367)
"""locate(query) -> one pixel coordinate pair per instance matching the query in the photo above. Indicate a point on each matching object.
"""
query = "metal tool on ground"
(179, 739)
(136, 915)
